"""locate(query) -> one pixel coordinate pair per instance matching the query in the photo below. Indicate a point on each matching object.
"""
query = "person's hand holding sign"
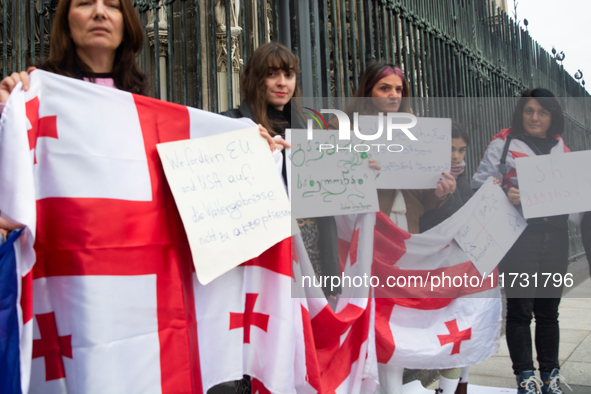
(446, 185)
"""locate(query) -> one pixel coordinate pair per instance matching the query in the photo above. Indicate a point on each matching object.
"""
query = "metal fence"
(447, 48)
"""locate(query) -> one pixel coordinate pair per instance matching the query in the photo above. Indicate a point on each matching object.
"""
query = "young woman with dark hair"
(268, 83)
(537, 124)
(383, 88)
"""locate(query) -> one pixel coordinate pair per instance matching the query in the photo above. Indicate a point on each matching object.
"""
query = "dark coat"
(586, 235)
(462, 194)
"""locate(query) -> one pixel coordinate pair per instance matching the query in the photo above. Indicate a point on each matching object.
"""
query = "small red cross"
(455, 336)
(52, 347)
(40, 127)
(249, 317)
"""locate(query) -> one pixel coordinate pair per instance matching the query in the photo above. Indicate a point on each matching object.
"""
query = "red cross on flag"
(246, 323)
(339, 355)
(114, 306)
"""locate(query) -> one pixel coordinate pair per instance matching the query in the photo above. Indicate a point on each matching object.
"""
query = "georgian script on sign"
(408, 164)
(328, 182)
(230, 197)
(554, 184)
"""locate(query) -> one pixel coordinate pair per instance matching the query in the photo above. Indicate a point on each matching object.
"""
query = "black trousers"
(535, 252)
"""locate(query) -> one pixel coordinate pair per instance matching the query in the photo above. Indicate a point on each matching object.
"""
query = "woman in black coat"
(268, 83)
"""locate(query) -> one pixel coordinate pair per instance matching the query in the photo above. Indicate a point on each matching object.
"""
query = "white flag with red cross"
(436, 310)
(113, 300)
(339, 354)
(245, 321)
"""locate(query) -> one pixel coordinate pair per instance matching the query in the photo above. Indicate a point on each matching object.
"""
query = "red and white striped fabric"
(339, 355)
(114, 302)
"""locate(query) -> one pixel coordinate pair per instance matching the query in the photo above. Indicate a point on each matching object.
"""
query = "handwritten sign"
(408, 164)
(554, 184)
(492, 229)
(230, 197)
(329, 181)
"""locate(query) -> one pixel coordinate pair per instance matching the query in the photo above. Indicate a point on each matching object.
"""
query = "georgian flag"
(339, 354)
(245, 321)
(113, 293)
(444, 327)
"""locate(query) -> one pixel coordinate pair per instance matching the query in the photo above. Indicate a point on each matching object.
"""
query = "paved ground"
(575, 345)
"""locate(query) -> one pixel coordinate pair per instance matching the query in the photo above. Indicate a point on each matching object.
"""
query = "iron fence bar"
(4, 40)
(313, 43)
(276, 30)
(185, 70)
(411, 70)
(23, 35)
(385, 32)
(361, 21)
(376, 35)
(368, 15)
(13, 35)
(245, 48)
(32, 31)
(170, 55)
(229, 55)
(213, 60)
(404, 49)
(155, 7)
(295, 40)
(424, 64)
(335, 49)
(353, 44)
(42, 13)
(345, 50)
(397, 27)
(391, 34)
(199, 70)
(261, 28)
(324, 48)
(431, 65)
(143, 61)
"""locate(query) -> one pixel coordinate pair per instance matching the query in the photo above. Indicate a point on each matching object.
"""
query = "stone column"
(222, 52)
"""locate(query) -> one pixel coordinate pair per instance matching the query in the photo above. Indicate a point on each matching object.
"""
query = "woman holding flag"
(384, 88)
(537, 124)
(92, 40)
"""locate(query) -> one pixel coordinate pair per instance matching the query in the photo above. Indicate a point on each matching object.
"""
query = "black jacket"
(462, 194)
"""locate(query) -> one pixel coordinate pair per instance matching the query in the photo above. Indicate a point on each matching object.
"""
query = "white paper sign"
(492, 230)
(419, 164)
(554, 184)
(328, 182)
(230, 197)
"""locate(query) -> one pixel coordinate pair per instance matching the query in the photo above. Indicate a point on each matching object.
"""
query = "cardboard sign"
(230, 197)
(328, 181)
(492, 229)
(408, 164)
(554, 184)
